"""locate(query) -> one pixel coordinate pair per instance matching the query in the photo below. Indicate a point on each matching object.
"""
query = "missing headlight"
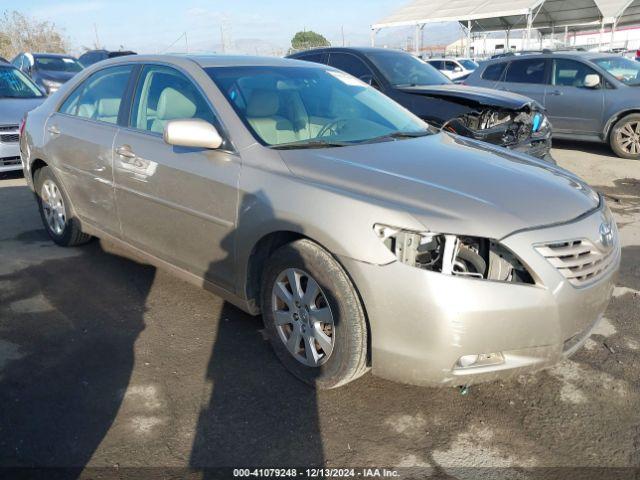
(454, 255)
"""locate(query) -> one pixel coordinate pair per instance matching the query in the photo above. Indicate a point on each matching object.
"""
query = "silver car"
(364, 238)
(18, 95)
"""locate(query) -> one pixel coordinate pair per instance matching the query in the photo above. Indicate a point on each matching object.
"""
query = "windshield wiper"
(397, 136)
(310, 144)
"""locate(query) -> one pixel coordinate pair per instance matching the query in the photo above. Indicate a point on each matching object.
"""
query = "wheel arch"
(264, 248)
(615, 118)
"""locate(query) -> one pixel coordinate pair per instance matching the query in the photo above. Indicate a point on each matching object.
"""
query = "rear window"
(494, 72)
(527, 71)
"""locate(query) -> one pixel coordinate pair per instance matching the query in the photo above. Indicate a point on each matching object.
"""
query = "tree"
(309, 39)
(20, 33)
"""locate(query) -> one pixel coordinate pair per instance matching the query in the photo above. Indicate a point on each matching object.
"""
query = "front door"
(527, 77)
(79, 139)
(177, 203)
(572, 107)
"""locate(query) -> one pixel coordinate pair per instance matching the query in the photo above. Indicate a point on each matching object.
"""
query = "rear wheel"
(313, 316)
(625, 137)
(55, 210)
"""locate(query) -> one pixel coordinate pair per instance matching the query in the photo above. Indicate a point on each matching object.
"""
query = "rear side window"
(494, 72)
(99, 96)
(350, 64)
(527, 71)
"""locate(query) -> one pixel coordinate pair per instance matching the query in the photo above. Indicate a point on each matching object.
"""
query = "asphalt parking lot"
(106, 362)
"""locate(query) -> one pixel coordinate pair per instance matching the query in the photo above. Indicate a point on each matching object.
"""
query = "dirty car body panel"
(544, 245)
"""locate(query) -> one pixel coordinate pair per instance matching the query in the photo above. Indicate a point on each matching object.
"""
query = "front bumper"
(423, 322)
(9, 152)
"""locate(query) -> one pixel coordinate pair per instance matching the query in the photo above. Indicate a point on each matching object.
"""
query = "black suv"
(94, 56)
(500, 118)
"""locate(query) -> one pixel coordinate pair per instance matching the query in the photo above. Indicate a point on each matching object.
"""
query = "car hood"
(451, 184)
(13, 109)
(482, 96)
(56, 76)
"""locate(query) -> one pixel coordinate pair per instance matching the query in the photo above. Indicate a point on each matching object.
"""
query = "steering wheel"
(333, 128)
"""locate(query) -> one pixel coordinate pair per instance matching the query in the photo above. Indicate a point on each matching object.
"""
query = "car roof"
(556, 54)
(58, 55)
(206, 61)
(363, 50)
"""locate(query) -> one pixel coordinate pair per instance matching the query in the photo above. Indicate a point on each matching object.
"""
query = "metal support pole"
(529, 25)
(468, 50)
(601, 35)
(566, 35)
(416, 41)
(613, 33)
(374, 31)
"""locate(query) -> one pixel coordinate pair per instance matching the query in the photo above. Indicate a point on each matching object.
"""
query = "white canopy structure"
(507, 15)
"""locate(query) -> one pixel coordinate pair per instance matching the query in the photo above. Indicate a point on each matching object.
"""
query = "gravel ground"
(105, 362)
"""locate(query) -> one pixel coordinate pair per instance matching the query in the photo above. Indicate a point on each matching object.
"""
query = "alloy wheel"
(628, 138)
(303, 317)
(53, 206)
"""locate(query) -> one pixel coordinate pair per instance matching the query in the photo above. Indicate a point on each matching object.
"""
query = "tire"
(625, 137)
(308, 263)
(53, 201)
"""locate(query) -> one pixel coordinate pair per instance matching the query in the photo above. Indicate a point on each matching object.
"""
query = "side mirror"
(192, 132)
(592, 80)
(457, 69)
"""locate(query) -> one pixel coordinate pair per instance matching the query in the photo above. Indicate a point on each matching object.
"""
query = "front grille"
(9, 138)
(10, 161)
(9, 128)
(579, 261)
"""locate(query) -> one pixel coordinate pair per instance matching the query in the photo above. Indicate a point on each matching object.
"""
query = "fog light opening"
(479, 360)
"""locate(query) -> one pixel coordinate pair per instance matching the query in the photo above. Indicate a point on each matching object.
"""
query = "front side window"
(527, 71)
(312, 57)
(569, 73)
(57, 64)
(298, 106)
(164, 94)
(15, 84)
(625, 70)
(99, 96)
(404, 70)
(469, 64)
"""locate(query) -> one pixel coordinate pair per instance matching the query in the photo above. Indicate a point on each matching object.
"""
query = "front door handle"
(556, 93)
(125, 151)
(53, 130)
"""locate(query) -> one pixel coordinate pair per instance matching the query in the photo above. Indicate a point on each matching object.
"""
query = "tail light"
(638, 53)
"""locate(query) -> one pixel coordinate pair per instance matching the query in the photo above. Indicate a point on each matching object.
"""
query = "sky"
(263, 27)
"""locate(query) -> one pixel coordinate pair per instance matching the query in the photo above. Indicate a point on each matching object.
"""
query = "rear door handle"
(53, 130)
(125, 151)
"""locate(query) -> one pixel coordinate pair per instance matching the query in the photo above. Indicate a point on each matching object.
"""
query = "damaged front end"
(464, 256)
(527, 130)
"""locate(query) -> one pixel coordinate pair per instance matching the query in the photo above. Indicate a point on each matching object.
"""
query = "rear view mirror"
(592, 80)
(192, 132)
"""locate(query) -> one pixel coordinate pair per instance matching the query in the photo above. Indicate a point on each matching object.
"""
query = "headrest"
(263, 103)
(108, 107)
(174, 105)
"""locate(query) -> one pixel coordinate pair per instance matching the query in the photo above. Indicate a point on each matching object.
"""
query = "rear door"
(572, 107)
(79, 140)
(176, 203)
(528, 77)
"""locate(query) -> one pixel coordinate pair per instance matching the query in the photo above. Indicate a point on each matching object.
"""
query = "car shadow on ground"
(68, 328)
(593, 148)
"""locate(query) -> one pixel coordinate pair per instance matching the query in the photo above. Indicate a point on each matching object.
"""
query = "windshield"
(312, 107)
(15, 84)
(405, 70)
(58, 64)
(468, 64)
(625, 70)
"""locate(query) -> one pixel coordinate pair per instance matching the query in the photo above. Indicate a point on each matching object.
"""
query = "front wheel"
(625, 137)
(313, 316)
(55, 210)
